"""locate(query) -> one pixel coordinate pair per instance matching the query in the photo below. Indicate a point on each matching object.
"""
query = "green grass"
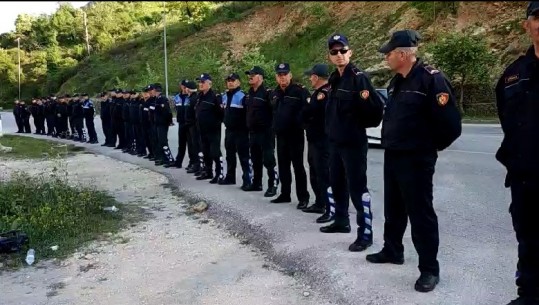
(54, 212)
(31, 148)
(480, 120)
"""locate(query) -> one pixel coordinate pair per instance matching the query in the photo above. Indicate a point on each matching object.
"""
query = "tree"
(463, 59)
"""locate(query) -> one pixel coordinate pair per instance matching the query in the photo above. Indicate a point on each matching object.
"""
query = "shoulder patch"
(356, 71)
(364, 94)
(320, 96)
(442, 98)
(512, 78)
(309, 100)
(431, 69)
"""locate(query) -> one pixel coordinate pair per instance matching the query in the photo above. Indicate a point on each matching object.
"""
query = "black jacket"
(209, 113)
(421, 112)
(314, 114)
(259, 110)
(235, 116)
(288, 106)
(353, 106)
(517, 97)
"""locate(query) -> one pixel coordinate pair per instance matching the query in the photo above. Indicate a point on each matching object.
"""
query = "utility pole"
(165, 45)
(19, 56)
(86, 31)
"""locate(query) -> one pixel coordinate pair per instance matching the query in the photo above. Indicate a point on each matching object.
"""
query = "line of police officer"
(65, 117)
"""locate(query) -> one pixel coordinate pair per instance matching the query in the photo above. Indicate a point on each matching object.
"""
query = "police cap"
(338, 38)
(204, 77)
(282, 68)
(401, 39)
(255, 70)
(533, 8)
(321, 70)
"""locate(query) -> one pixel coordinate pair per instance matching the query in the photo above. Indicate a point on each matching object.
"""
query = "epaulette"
(431, 69)
(356, 71)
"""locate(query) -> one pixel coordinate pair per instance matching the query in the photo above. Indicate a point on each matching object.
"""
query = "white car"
(374, 134)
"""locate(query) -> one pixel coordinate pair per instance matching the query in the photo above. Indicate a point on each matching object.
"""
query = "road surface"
(477, 243)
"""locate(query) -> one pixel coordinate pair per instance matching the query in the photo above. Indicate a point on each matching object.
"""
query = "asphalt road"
(477, 244)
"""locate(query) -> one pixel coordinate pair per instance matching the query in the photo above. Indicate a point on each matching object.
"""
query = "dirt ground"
(172, 258)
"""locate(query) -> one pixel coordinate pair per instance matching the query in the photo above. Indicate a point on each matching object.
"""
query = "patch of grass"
(31, 148)
(480, 119)
(54, 212)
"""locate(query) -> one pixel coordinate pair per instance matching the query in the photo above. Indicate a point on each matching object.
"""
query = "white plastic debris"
(112, 209)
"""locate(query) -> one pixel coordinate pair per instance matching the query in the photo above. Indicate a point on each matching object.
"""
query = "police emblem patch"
(320, 96)
(336, 37)
(364, 94)
(442, 98)
(281, 66)
(309, 100)
(201, 75)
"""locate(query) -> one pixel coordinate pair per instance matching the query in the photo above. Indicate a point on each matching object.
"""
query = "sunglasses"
(336, 51)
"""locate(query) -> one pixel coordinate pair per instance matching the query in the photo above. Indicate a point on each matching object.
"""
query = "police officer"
(146, 122)
(17, 115)
(62, 117)
(181, 103)
(288, 101)
(236, 134)
(193, 143)
(88, 113)
(78, 117)
(50, 111)
(261, 135)
(420, 119)
(163, 120)
(517, 95)
(104, 113)
(134, 120)
(353, 106)
(128, 127)
(209, 119)
(318, 146)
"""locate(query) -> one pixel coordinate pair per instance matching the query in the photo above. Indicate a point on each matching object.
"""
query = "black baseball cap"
(232, 76)
(533, 8)
(282, 68)
(321, 70)
(401, 39)
(255, 70)
(338, 38)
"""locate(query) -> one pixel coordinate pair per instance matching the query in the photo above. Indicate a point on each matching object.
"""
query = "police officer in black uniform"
(17, 115)
(78, 117)
(181, 103)
(353, 106)
(88, 113)
(163, 120)
(261, 135)
(318, 145)
(420, 119)
(146, 123)
(517, 97)
(193, 141)
(209, 119)
(288, 101)
(236, 134)
(104, 113)
(50, 116)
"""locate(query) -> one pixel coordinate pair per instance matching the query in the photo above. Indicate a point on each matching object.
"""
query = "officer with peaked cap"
(289, 100)
(146, 122)
(261, 136)
(104, 114)
(209, 116)
(163, 120)
(420, 119)
(517, 96)
(193, 139)
(313, 117)
(88, 111)
(353, 106)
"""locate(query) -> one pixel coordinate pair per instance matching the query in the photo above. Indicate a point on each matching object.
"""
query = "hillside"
(232, 38)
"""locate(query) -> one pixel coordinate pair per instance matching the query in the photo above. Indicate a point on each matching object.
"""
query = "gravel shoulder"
(170, 258)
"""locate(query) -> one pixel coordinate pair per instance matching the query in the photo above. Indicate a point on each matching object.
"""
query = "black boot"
(385, 257)
(336, 228)
(426, 282)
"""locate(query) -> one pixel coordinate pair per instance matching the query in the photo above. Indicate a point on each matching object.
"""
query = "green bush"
(54, 212)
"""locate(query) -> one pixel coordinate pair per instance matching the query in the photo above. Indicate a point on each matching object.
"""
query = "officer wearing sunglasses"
(353, 105)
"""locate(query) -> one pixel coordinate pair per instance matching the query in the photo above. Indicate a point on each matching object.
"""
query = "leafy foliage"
(464, 59)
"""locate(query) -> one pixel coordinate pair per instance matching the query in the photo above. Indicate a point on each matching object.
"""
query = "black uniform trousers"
(61, 126)
(79, 126)
(26, 123)
(106, 124)
(161, 133)
(318, 159)
(348, 180)
(72, 124)
(262, 148)
(211, 148)
(141, 139)
(193, 145)
(119, 132)
(148, 139)
(408, 193)
(39, 122)
(20, 124)
(92, 135)
(183, 140)
(51, 125)
(128, 130)
(524, 198)
(237, 142)
(290, 150)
